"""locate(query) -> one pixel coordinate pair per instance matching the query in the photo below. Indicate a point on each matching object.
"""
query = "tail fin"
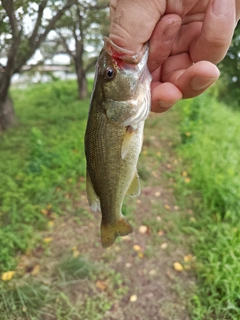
(109, 232)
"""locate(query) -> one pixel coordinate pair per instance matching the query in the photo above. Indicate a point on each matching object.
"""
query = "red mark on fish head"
(118, 58)
(122, 60)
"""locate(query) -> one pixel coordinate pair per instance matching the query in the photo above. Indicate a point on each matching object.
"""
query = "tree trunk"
(7, 114)
(82, 83)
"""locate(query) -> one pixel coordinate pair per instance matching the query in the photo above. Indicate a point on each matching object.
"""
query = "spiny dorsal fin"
(134, 188)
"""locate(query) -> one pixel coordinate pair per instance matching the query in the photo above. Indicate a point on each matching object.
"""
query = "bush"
(40, 160)
(210, 150)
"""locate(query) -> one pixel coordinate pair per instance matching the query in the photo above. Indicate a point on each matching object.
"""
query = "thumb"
(132, 22)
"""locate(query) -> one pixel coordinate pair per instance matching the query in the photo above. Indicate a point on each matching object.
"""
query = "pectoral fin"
(93, 199)
(127, 141)
(135, 188)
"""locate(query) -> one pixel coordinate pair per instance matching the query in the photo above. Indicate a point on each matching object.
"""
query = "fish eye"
(109, 74)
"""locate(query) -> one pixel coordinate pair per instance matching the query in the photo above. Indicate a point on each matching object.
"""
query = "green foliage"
(23, 301)
(40, 160)
(76, 268)
(70, 293)
(229, 87)
(210, 151)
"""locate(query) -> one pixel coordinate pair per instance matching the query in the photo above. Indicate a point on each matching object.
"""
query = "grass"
(40, 161)
(209, 180)
(41, 164)
(62, 296)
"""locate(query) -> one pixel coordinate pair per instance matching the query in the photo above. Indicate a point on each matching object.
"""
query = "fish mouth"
(127, 59)
(135, 109)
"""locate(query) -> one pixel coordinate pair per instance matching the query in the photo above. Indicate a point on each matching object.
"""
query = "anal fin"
(93, 199)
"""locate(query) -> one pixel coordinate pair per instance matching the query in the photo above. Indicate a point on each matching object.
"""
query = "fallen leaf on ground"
(44, 211)
(164, 245)
(187, 180)
(47, 240)
(157, 194)
(24, 309)
(6, 276)
(140, 255)
(160, 232)
(133, 298)
(188, 258)
(137, 248)
(184, 173)
(143, 229)
(102, 285)
(128, 265)
(187, 267)
(50, 224)
(36, 270)
(152, 272)
(177, 266)
(166, 206)
(76, 253)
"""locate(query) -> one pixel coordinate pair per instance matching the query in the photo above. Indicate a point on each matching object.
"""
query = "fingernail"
(202, 83)
(221, 8)
(165, 104)
(170, 32)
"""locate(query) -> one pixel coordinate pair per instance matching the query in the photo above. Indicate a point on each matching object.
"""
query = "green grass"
(41, 159)
(70, 293)
(210, 152)
(41, 162)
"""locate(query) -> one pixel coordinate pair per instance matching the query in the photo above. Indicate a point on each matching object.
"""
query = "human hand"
(185, 44)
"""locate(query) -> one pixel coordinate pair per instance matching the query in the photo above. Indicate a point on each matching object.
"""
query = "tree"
(19, 41)
(230, 70)
(82, 26)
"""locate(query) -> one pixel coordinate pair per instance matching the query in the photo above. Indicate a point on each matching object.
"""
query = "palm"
(201, 34)
(186, 68)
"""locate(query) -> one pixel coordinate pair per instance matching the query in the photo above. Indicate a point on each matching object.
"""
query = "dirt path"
(136, 279)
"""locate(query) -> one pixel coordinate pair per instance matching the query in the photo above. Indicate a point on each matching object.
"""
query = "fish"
(119, 105)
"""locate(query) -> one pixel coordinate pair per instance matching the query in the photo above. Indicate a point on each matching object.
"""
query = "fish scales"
(113, 138)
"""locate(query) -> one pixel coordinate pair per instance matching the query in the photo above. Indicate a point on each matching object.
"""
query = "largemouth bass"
(120, 104)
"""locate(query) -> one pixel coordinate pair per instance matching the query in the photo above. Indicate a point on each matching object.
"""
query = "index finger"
(217, 31)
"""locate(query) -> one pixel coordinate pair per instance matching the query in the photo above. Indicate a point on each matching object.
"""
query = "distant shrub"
(40, 160)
